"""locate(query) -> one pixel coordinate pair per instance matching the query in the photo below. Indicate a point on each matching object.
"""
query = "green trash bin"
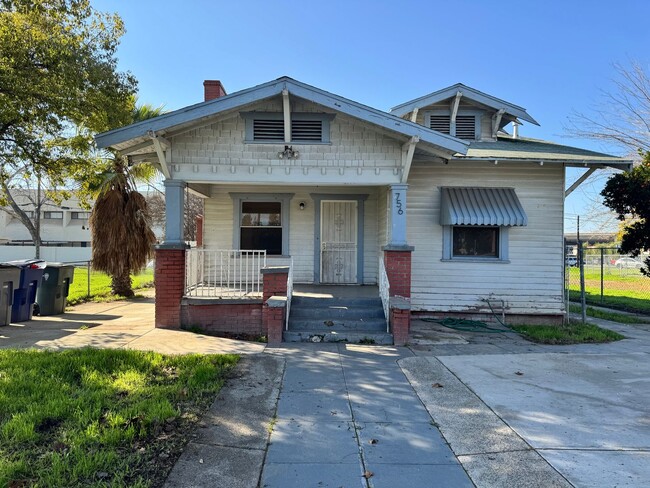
(52, 295)
(9, 281)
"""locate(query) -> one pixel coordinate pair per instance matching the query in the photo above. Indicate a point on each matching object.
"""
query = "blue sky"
(552, 57)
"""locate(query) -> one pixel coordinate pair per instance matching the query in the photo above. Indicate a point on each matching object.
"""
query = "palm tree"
(120, 224)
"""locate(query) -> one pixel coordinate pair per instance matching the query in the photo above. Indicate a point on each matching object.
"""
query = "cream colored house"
(438, 201)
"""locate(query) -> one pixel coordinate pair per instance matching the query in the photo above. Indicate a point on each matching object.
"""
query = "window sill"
(476, 260)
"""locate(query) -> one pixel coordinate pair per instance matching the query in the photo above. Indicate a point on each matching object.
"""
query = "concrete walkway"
(345, 410)
(115, 325)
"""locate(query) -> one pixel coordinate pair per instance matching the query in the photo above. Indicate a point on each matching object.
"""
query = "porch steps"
(354, 320)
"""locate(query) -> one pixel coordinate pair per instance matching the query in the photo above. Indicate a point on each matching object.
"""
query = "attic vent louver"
(307, 130)
(466, 126)
(440, 123)
(268, 130)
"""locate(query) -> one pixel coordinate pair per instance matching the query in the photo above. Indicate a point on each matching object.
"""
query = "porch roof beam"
(286, 108)
(579, 181)
(408, 149)
(158, 146)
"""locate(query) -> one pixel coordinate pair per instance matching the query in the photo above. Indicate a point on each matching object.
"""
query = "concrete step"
(336, 336)
(336, 312)
(360, 325)
(300, 301)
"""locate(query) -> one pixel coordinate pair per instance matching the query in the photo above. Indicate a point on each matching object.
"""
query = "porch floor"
(335, 291)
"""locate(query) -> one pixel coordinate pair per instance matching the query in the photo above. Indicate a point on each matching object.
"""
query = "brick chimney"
(213, 89)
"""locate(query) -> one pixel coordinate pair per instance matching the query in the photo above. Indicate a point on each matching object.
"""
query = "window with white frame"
(306, 128)
(80, 215)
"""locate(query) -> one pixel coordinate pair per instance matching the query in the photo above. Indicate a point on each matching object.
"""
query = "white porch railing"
(289, 293)
(224, 273)
(384, 291)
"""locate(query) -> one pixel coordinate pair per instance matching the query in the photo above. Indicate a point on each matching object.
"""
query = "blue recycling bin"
(31, 274)
(9, 279)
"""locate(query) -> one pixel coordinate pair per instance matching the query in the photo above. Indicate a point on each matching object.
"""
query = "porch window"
(261, 226)
(475, 241)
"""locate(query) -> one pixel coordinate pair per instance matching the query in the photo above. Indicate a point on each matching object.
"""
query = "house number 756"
(398, 204)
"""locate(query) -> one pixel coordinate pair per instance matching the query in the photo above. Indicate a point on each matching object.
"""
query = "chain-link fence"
(89, 283)
(612, 279)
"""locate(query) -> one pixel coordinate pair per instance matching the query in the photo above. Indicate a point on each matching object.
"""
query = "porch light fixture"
(288, 153)
(301, 205)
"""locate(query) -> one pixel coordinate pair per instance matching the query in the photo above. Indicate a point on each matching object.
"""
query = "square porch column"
(397, 261)
(169, 275)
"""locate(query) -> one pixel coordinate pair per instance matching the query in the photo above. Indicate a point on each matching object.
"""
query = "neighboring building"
(64, 225)
(461, 215)
(65, 233)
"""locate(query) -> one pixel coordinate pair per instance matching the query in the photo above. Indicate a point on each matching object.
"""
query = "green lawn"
(99, 418)
(623, 289)
(572, 333)
(609, 315)
(100, 284)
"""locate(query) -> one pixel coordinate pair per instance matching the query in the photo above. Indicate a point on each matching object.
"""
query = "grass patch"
(100, 285)
(608, 315)
(99, 418)
(625, 289)
(572, 333)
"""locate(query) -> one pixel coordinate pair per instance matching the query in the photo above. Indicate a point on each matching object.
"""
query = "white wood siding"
(219, 214)
(532, 283)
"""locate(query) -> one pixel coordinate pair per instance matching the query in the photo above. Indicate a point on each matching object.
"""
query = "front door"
(338, 241)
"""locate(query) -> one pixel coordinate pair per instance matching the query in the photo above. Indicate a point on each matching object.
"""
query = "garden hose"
(465, 325)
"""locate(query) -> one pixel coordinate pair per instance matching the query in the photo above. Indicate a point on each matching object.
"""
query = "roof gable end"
(195, 113)
(467, 92)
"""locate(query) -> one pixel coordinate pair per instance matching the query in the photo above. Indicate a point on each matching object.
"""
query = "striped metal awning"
(481, 206)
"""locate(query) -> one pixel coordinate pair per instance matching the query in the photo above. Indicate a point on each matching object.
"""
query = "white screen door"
(338, 242)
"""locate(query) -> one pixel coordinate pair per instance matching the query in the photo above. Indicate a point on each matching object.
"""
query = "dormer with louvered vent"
(463, 112)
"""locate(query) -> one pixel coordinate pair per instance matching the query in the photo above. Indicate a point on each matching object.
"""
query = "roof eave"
(624, 164)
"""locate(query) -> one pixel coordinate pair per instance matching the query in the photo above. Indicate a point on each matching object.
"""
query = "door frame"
(317, 199)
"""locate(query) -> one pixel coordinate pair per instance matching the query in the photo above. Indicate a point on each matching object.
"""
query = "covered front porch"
(333, 246)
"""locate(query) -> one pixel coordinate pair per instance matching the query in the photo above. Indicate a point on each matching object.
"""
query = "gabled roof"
(469, 93)
(194, 114)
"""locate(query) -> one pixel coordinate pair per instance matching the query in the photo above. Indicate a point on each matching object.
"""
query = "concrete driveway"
(583, 409)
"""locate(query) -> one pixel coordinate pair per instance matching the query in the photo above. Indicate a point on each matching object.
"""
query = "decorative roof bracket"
(158, 143)
(408, 149)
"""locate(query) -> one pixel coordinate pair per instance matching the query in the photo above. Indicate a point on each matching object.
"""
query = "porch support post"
(174, 211)
(397, 262)
(169, 280)
(398, 215)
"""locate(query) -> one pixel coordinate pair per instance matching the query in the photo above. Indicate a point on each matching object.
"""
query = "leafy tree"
(120, 222)
(628, 194)
(59, 83)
